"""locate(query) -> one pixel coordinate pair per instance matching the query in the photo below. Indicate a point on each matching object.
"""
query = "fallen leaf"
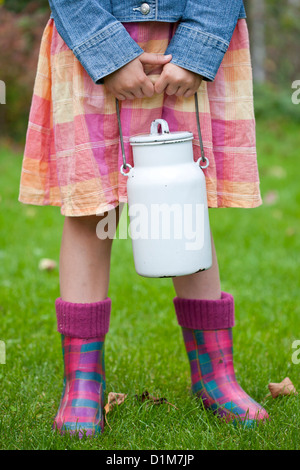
(47, 264)
(112, 400)
(154, 400)
(285, 387)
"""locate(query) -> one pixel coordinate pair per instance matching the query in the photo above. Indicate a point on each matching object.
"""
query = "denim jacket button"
(145, 8)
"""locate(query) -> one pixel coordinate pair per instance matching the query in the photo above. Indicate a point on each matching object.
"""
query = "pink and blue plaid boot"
(207, 332)
(83, 328)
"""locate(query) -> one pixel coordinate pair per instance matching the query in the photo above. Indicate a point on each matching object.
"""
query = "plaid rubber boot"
(83, 328)
(207, 333)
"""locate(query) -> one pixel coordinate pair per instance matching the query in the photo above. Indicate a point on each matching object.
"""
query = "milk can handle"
(203, 158)
(125, 165)
(162, 123)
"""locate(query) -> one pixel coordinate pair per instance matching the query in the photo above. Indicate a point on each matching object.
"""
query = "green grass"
(258, 252)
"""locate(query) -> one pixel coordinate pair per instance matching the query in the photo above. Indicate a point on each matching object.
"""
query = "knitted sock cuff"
(86, 321)
(203, 314)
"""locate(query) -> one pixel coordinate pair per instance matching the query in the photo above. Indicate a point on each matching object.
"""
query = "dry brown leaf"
(154, 400)
(112, 400)
(285, 387)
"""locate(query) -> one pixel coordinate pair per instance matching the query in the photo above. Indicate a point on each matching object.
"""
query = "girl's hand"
(130, 81)
(175, 80)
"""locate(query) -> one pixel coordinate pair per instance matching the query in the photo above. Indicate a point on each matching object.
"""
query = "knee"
(94, 226)
(87, 223)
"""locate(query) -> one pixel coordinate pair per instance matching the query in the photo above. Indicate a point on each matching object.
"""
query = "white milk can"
(167, 204)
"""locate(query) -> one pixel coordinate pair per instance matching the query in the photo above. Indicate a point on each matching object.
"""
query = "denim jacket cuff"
(107, 51)
(197, 51)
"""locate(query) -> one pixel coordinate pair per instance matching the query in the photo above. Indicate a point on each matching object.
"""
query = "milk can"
(167, 203)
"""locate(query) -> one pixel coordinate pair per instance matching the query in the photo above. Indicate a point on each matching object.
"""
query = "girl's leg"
(84, 260)
(206, 315)
(202, 285)
(83, 313)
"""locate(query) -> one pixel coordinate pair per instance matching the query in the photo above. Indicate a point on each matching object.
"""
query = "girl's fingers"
(120, 97)
(172, 89)
(124, 95)
(139, 93)
(128, 95)
(181, 91)
(154, 59)
(188, 93)
(160, 85)
(148, 88)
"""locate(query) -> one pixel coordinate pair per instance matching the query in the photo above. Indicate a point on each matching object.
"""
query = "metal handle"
(203, 157)
(163, 124)
(165, 130)
(125, 164)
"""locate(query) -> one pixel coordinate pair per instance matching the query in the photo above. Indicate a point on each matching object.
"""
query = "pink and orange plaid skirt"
(72, 154)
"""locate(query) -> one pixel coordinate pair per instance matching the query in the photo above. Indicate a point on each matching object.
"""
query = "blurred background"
(274, 32)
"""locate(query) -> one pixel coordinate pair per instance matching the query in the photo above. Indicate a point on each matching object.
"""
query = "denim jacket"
(93, 30)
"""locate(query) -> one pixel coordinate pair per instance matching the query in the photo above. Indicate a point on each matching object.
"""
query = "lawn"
(258, 252)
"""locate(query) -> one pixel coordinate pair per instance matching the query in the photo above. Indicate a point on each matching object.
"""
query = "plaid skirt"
(72, 154)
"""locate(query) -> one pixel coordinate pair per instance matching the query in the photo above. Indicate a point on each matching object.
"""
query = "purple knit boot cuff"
(86, 321)
(205, 314)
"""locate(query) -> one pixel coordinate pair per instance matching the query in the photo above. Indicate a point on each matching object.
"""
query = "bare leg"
(202, 285)
(84, 260)
(84, 280)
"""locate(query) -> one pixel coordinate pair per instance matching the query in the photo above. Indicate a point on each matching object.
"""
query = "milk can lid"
(165, 136)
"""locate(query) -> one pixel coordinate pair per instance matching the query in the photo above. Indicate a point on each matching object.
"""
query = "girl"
(152, 57)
